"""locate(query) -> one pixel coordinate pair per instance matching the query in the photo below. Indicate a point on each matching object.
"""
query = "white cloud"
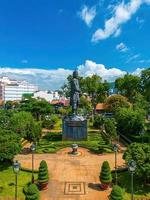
(139, 20)
(122, 13)
(54, 78)
(138, 71)
(88, 14)
(45, 79)
(89, 68)
(25, 61)
(133, 58)
(121, 47)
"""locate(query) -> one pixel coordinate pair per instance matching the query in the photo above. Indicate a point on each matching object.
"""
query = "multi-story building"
(47, 95)
(12, 90)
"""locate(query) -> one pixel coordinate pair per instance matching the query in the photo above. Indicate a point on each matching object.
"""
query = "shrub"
(43, 172)
(31, 192)
(98, 121)
(116, 193)
(105, 174)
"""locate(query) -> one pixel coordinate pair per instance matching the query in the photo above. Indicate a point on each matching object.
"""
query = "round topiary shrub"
(105, 175)
(116, 193)
(43, 175)
(31, 192)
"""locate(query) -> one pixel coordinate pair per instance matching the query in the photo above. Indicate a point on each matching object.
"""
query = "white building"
(12, 90)
(48, 96)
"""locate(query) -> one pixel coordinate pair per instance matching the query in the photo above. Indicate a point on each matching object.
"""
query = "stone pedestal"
(74, 128)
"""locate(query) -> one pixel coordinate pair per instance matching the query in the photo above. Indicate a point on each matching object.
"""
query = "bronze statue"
(75, 91)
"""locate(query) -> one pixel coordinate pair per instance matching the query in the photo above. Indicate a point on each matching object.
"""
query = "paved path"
(73, 177)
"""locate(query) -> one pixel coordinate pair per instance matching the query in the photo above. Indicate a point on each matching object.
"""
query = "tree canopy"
(115, 102)
(140, 153)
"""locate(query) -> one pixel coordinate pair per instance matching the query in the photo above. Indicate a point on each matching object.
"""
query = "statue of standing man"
(75, 91)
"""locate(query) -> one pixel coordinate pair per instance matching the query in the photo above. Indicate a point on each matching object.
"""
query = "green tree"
(115, 102)
(5, 116)
(43, 172)
(128, 85)
(105, 174)
(85, 104)
(98, 121)
(97, 90)
(31, 192)
(110, 128)
(38, 107)
(145, 83)
(116, 193)
(25, 126)
(130, 122)
(50, 121)
(10, 145)
(140, 153)
(140, 102)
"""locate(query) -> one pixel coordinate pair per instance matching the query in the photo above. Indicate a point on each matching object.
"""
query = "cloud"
(139, 20)
(121, 14)
(121, 47)
(45, 79)
(25, 61)
(89, 68)
(133, 58)
(53, 79)
(138, 71)
(87, 14)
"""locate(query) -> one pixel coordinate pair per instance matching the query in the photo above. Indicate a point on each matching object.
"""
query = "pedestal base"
(74, 128)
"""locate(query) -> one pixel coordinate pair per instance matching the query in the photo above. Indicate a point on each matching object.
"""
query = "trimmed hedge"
(31, 192)
(43, 172)
(116, 193)
(105, 174)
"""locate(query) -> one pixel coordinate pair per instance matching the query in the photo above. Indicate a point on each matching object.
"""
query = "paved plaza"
(73, 177)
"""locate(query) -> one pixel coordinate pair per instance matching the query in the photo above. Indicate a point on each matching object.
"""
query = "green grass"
(52, 142)
(140, 190)
(7, 181)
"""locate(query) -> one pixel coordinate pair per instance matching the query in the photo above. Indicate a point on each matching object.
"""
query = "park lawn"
(7, 182)
(52, 142)
(140, 191)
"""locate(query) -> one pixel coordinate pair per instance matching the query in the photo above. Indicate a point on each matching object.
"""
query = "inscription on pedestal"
(75, 123)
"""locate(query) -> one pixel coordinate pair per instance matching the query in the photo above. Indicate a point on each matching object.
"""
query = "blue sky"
(43, 41)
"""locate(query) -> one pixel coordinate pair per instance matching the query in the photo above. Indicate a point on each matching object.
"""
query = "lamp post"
(33, 150)
(115, 148)
(132, 167)
(16, 168)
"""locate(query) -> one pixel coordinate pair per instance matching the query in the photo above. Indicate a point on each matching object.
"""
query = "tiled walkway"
(73, 178)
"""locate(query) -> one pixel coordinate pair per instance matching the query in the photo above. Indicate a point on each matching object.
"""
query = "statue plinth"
(74, 128)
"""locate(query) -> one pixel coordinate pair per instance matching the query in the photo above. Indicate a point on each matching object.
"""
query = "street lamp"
(115, 148)
(33, 150)
(16, 168)
(132, 167)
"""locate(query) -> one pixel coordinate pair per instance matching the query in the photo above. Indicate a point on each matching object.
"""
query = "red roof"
(101, 106)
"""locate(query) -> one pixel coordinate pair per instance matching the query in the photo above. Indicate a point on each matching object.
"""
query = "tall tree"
(38, 107)
(145, 83)
(10, 145)
(130, 122)
(96, 89)
(115, 102)
(140, 153)
(128, 85)
(25, 126)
